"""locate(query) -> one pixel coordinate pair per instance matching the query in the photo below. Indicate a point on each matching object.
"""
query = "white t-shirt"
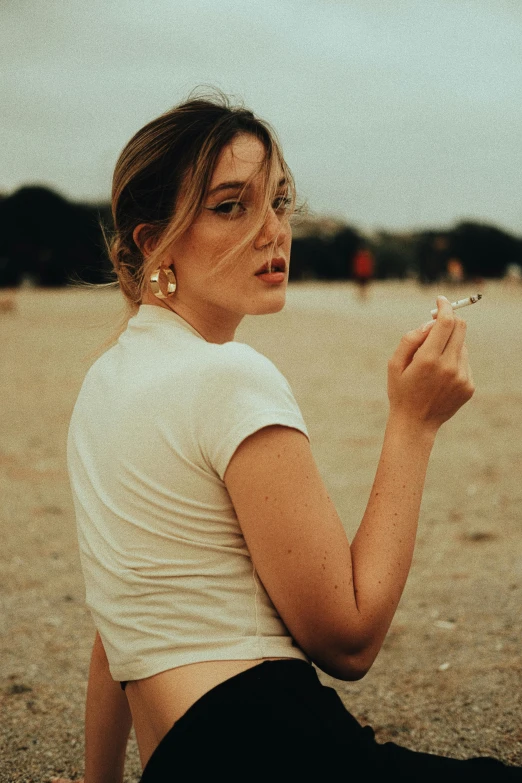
(169, 578)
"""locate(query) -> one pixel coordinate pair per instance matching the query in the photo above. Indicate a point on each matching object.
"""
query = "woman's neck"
(214, 328)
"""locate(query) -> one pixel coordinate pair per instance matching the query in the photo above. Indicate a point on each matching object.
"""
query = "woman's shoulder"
(235, 361)
(239, 392)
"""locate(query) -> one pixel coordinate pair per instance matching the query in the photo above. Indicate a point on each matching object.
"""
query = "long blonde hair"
(175, 155)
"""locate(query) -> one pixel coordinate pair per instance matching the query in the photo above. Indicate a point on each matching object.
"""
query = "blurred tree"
(346, 243)
(53, 242)
(394, 255)
(431, 252)
(307, 253)
(484, 250)
(49, 239)
(323, 250)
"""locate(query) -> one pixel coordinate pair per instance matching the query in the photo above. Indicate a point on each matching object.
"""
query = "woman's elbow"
(347, 667)
(345, 655)
(355, 668)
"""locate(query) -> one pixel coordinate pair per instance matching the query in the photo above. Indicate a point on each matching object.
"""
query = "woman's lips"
(277, 264)
(272, 277)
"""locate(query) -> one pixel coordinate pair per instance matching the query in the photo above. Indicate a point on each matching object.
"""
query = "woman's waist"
(157, 702)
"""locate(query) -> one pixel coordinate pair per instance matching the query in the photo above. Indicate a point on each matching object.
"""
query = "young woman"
(216, 567)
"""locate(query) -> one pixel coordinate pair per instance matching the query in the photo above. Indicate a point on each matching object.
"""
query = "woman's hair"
(172, 156)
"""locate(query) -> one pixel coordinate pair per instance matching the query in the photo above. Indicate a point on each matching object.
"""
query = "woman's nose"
(273, 230)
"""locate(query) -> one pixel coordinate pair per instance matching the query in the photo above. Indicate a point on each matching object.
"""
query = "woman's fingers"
(465, 370)
(433, 337)
(440, 333)
(408, 346)
(452, 351)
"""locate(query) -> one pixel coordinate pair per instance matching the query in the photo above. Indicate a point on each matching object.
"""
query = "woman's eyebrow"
(227, 186)
(238, 185)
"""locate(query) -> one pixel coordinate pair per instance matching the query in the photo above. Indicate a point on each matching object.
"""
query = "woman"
(216, 567)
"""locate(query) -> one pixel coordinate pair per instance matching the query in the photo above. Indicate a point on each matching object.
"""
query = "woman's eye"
(281, 203)
(236, 208)
(231, 208)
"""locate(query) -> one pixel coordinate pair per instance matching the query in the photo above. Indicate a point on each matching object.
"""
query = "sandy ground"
(448, 679)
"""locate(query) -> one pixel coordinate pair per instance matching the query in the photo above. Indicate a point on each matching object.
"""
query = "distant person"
(363, 267)
(7, 300)
(455, 271)
(216, 567)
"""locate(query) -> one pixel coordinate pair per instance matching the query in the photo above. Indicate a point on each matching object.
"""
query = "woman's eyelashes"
(235, 208)
(282, 203)
(230, 208)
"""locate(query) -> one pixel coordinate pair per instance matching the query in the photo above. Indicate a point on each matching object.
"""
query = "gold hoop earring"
(155, 282)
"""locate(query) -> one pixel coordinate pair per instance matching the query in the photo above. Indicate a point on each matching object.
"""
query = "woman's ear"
(144, 238)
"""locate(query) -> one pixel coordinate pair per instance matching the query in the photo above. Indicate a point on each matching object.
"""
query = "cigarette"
(461, 303)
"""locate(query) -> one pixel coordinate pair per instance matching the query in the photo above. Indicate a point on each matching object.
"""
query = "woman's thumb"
(410, 344)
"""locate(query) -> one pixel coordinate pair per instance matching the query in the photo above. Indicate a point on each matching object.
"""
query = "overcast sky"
(394, 114)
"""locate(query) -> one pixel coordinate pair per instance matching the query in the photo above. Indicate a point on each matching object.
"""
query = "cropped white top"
(169, 578)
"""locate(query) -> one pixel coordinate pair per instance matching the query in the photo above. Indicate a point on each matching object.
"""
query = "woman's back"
(169, 577)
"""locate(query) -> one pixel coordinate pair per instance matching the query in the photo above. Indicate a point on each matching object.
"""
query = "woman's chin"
(271, 304)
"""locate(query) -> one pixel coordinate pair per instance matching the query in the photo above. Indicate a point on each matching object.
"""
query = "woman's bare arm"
(338, 601)
(108, 722)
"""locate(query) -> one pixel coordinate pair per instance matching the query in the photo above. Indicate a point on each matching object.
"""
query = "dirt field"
(448, 679)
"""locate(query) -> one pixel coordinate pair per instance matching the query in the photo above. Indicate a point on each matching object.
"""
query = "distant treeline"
(50, 241)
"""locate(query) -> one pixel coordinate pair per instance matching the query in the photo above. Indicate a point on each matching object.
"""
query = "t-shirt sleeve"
(241, 391)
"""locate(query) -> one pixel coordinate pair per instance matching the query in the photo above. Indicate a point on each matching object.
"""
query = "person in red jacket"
(363, 270)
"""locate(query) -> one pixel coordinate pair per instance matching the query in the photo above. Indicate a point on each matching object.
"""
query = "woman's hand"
(429, 377)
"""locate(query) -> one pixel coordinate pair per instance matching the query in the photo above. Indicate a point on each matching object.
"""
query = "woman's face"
(229, 213)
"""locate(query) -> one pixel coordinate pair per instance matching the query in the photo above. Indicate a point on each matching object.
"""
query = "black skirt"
(276, 721)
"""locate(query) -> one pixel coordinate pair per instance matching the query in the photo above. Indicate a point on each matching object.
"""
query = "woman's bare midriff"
(157, 702)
